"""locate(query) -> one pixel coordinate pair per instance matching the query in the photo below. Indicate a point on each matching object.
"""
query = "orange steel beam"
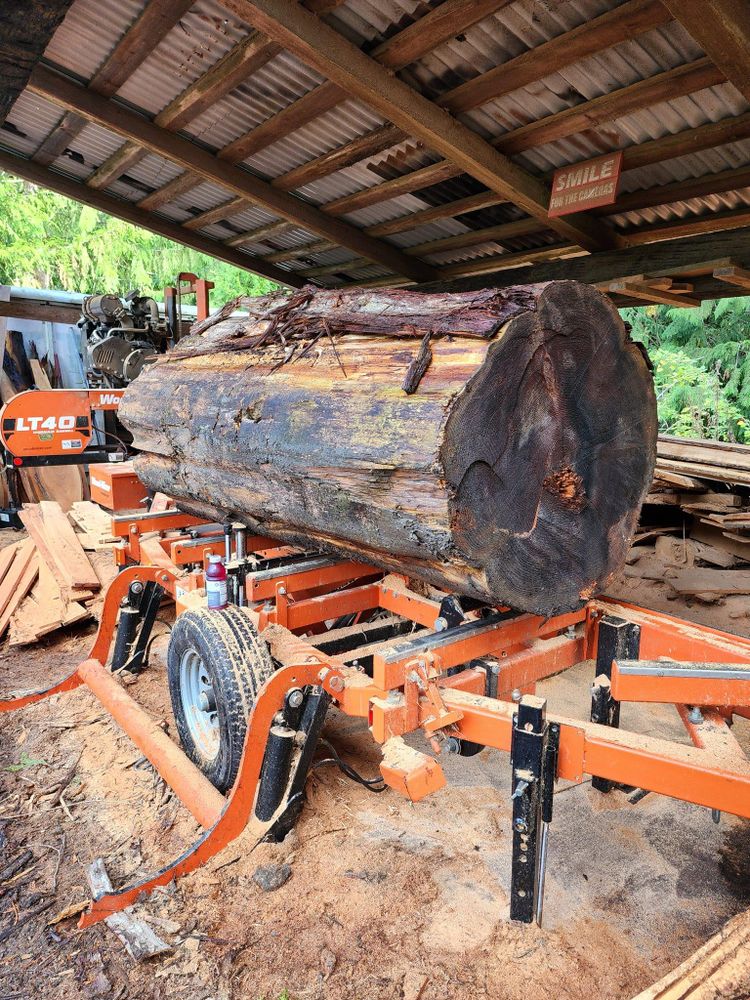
(544, 658)
(306, 579)
(190, 785)
(302, 614)
(707, 685)
(238, 811)
(711, 732)
(399, 600)
(389, 668)
(666, 636)
(644, 761)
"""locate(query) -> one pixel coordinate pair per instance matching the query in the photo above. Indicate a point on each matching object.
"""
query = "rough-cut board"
(67, 549)
(513, 472)
(17, 582)
(711, 581)
(94, 525)
(718, 969)
(61, 551)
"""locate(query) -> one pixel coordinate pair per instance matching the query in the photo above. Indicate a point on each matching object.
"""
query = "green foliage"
(702, 367)
(47, 241)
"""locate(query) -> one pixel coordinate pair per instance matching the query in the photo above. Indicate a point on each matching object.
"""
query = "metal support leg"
(534, 750)
(618, 639)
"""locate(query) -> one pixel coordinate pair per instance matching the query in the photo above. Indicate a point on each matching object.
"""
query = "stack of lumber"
(46, 580)
(716, 461)
(701, 493)
(94, 525)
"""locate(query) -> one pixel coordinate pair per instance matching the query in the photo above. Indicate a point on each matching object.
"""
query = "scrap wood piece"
(715, 537)
(92, 521)
(139, 938)
(708, 972)
(7, 555)
(17, 582)
(711, 581)
(43, 611)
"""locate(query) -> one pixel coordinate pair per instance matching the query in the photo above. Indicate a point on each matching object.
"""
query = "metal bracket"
(618, 639)
(534, 753)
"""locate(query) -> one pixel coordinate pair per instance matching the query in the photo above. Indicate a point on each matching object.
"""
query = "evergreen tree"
(702, 367)
(47, 241)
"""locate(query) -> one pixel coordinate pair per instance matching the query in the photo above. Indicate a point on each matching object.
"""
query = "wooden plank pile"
(701, 493)
(46, 580)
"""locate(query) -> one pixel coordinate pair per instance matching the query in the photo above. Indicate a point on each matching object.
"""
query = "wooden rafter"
(155, 22)
(344, 64)
(698, 256)
(247, 57)
(722, 29)
(664, 86)
(70, 188)
(626, 21)
(446, 21)
(60, 90)
(614, 26)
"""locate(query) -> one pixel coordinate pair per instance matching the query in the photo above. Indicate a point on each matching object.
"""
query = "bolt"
(336, 683)
(295, 698)
(516, 694)
(441, 624)
(695, 715)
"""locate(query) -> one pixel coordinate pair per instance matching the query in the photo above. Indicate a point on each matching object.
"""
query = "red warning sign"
(585, 185)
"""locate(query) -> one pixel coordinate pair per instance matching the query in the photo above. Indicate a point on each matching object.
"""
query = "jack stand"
(618, 640)
(139, 608)
(534, 752)
(308, 724)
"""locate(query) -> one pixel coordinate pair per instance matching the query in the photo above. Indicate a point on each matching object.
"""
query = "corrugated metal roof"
(92, 29)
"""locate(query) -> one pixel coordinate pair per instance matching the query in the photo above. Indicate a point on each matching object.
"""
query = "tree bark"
(495, 444)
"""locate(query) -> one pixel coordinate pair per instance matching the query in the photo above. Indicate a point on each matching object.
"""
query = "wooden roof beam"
(344, 64)
(247, 57)
(70, 188)
(154, 23)
(665, 86)
(626, 21)
(734, 275)
(446, 21)
(62, 91)
(672, 256)
(722, 29)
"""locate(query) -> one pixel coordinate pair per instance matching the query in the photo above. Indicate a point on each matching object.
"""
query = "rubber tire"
(238, 663)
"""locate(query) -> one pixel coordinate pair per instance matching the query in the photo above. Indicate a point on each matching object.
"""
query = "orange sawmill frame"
(411, 692)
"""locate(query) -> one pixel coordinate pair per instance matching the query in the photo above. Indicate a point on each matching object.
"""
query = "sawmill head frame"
(461, 673)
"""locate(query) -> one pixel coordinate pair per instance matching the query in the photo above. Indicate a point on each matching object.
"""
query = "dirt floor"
(386, 899)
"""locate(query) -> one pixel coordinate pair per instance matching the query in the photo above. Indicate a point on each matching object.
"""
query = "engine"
(122, 337)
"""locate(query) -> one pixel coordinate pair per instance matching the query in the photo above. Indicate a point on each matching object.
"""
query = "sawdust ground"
(386, 899)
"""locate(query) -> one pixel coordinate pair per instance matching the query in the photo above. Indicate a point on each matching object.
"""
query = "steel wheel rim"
(199, 708)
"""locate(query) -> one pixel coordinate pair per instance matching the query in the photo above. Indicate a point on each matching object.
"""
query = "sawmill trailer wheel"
(216, 663)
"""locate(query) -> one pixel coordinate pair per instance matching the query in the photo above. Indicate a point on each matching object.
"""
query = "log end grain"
(550, 451)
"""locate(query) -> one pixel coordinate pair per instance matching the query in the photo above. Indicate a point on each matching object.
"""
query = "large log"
(495, 444)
